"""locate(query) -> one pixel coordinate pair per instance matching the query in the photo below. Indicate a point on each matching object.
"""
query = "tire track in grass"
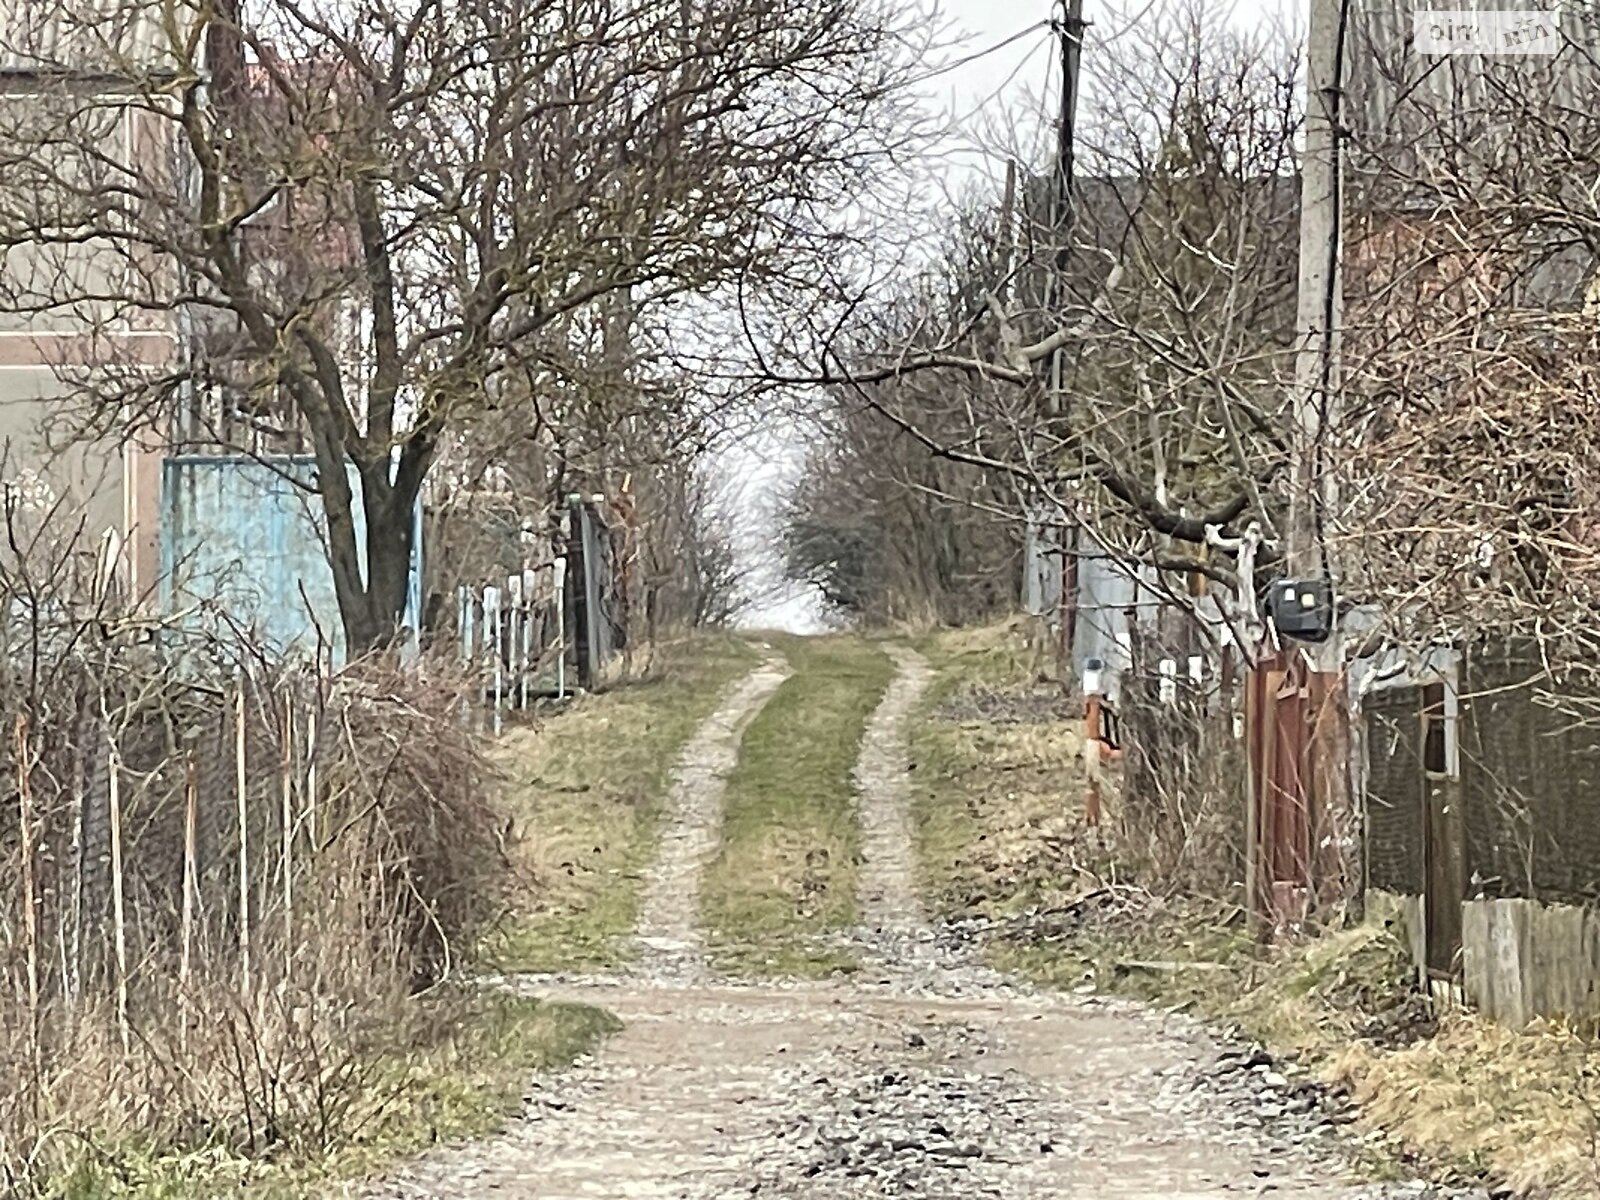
(781, 894)
(589, 784)
(670, 934)
(889, 899)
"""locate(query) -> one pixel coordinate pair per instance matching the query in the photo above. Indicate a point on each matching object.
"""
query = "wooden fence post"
(528, 587)
(118, 918)
(311, 774)
(241, 796)
(469, 656)
(492, 644)
(558, 573)
(288, 836)
(30, 912)
(191, 885)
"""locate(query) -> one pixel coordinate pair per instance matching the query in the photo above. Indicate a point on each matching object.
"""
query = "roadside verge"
(1005, 859)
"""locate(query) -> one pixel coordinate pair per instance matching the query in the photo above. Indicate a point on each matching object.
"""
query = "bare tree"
(1167, 433)
(1469, 458)
(882, 527)
(367, 223)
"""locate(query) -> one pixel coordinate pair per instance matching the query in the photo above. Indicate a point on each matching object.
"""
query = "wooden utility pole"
(1070, 31)
(1062, 218)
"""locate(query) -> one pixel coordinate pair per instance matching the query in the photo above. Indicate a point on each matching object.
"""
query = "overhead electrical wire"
(976, 56)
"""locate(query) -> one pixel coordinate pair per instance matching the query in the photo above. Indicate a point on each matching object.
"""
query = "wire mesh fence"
(214, 869)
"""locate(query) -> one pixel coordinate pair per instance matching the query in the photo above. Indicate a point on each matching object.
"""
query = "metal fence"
(513, 636)
(244, 546)
(1183, 800)
(556, 625)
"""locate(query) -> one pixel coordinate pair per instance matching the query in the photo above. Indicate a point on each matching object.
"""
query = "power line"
(978, 56)
(1022, 65)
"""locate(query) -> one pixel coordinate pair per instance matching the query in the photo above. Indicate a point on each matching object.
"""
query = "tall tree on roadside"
(1175, 317)
(366, 222)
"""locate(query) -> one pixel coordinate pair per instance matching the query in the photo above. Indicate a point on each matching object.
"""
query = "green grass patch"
(456, 1066)
(786, 873)
(996, 805)
(587, 787)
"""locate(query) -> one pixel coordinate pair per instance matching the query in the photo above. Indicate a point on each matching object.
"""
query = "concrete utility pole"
(1324, 789)
(1315, 400)
(1062, 218)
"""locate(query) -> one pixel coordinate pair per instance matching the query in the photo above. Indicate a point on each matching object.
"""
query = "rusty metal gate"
(1297, 733)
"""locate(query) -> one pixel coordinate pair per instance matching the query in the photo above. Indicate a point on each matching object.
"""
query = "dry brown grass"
(997, 807)
(335, 1096)
(1523, 1107)
(1000, 836)
(184, 1064)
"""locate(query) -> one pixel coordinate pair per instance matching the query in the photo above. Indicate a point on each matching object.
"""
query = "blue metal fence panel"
(243, 547)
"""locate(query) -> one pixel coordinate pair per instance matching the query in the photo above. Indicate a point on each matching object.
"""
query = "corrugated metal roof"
(1402, 104)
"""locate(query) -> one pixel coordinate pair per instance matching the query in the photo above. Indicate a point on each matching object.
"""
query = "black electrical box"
(1302, 608)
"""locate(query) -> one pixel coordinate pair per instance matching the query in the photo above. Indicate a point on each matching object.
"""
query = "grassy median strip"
(587, 787)
(785, 876)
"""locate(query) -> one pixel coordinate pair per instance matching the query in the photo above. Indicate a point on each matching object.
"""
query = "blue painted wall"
(244, 545)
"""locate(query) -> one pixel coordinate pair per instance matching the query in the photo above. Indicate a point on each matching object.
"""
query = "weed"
(454, 1065)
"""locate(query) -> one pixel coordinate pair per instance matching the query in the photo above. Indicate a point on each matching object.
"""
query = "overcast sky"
(1028, 66)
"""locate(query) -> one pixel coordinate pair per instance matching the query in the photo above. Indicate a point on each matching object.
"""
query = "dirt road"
(926, 1075)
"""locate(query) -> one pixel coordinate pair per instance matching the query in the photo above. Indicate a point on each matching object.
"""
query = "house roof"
(1405, 107)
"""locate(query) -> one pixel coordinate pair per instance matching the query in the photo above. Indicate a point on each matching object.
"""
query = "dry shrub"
(1183, 796)
(222, 879)
(430, 790)
(250, 1036)
(1523, 1107)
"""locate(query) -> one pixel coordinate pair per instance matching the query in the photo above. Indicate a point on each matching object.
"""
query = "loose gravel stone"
(924, 1075)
